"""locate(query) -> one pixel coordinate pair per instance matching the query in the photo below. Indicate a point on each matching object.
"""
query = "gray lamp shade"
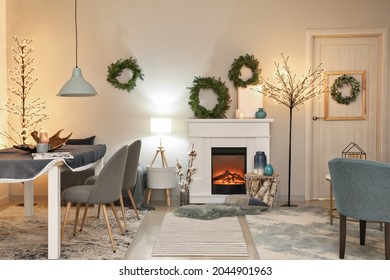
(77, 86)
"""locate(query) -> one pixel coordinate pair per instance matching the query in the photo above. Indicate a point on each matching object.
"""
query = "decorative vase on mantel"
(261, 114)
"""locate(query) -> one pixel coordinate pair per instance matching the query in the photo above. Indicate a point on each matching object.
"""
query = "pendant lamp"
(77, 86)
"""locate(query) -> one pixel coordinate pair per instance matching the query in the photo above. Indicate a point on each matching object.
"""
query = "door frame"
(382, 35)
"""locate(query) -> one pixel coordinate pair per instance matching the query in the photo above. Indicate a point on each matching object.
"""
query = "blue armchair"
(362, 191)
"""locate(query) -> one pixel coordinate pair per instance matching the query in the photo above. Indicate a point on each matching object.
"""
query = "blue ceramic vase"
(268, 170)
(261, 114)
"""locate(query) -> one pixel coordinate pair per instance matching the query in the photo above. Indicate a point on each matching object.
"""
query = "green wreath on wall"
(339, 83)
(235, 71)
(218, 87)
(116, 69)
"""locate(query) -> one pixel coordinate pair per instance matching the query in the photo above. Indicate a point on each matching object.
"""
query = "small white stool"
(161, 178)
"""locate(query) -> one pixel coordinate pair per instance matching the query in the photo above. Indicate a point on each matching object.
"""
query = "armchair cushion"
(84, 141)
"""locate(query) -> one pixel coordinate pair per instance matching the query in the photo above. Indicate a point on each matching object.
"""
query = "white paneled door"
(363, 56)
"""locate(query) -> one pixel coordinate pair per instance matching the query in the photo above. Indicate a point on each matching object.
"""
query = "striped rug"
(179, 236)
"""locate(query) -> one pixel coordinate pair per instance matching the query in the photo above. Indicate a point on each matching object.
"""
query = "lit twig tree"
(29, 114)
(291, 92)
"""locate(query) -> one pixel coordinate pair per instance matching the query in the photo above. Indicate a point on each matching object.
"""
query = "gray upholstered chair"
(105, 190)
(362, 191)
(130, 177)
(129, 180)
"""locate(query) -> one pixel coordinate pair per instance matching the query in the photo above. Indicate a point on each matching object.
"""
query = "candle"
(261, 171)
(242, 115)
(43, 137)
(237, 113)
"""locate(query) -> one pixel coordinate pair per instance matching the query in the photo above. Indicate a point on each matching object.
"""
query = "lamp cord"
(75, 24)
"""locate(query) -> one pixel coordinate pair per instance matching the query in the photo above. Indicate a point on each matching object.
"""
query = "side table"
(161, 178)
(262, 187)
(331, 208)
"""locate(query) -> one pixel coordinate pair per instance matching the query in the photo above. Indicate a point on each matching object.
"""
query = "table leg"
(54, 213)
(28, 198)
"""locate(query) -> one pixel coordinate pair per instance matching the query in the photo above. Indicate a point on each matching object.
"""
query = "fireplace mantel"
(254, 134)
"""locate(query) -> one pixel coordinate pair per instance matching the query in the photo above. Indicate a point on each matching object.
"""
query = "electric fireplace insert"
(228, 170)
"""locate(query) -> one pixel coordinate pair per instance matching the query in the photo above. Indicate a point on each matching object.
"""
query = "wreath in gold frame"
(116, 69)
(339, 83)
(218, 87)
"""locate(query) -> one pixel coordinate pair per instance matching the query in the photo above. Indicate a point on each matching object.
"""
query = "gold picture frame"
(355, 110)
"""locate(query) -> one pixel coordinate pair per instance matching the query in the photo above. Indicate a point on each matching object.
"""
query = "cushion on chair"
(90, 180)
(84, 141)
(77, 193)
(244, 200)
(257, 202)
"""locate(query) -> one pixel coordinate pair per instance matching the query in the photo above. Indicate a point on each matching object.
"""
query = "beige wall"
(173, 41)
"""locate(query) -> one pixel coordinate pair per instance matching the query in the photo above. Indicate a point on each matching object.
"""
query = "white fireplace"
(205, 134)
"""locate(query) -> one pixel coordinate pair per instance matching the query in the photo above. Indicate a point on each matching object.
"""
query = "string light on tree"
(29, 114)
(292, 91)
(289, 90)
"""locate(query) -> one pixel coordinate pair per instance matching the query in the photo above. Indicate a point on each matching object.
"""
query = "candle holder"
(43, 138)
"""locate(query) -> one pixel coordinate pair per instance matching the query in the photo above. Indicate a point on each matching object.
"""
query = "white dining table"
(17, 166)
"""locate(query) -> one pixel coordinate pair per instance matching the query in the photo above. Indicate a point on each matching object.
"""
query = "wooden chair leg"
(148, 195)
(98, 212)
(108, 226)
(362, 230)
(123, 211)
(76, 219)
(167, 197)
(84, 216)
(117, 218)
(387, 241)
(68, 206)
(343, 235)
(133, 203)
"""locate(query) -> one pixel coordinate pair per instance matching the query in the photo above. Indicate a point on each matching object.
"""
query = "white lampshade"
(77, 86)
(160, 125)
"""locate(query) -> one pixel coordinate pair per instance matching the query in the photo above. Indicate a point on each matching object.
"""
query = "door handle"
(317, 118)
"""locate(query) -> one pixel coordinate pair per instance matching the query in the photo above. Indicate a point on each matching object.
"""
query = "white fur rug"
(26, 237)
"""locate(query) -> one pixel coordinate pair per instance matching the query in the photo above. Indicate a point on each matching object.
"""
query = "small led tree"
(291, 92)
(29, 114)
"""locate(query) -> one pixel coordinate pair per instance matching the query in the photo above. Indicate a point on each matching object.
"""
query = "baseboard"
(281, 199)
(16, 198)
